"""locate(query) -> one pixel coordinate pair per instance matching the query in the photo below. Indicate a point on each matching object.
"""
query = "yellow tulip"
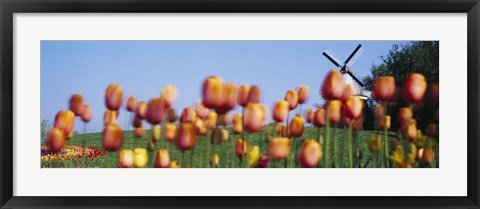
(212, 120)
(214, 160)
(140, 157)
(169, 94)
(156, 132)
(125, 158)
(253, 156)
(374, 143)
(162, 159)
(237, 124)
(170, 131)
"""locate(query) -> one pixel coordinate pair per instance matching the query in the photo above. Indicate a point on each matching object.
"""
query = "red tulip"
(137, 122)
(241, 147)
(280, 110)
(131, 103)
(243, 92)
(353, 107)
(310, 114)
(296, 126)
(427, 157)
(212, 92)
(156, 111)
(162, 159)
(414, 87)
(87, 114)
(169, 94)
(292, 98)
(263, 161)
(229, 99)
(332, 87)
(186, 136)
(188, 115)
(303, 93)
(254, 95)
(113, 97)
(171, 115)
(65, 120)
(56, 139)
(76, 104)
(310, 154)
(112, 137)
(384, 88)
(202, 111)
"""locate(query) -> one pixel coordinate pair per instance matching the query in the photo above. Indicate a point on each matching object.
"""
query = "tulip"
(65, 120)
(253, 156)
(433, 91)
(254, 117)
(112, 139)
(310, 114)
(296, 126)
(202, 111)
(279, 148)
(200, 127)
(186, 136)
(188, 115)
(284, 132)
(125, 158)
(347, 92)
(398, 157)
(229, 99)
(212, 92)
(334, 107)
(214, 160)
(310, 154)
(379, 111)
(414, 88)
(427, 157)
(131, 103)
(212, 120)
(384, 88)
(280, 110)
(404, 115)
(384, 122)
(174, 164)
(431, 129)
(263, 161)
(87, 114)
(156, 132)
(139, 132)
(76, 104)
(374, 143)
(151, 144)
(332, 87)
(353, 107)
(56, 139)
(224, 119)
(303, 94)
(168, 94)
(142, 110)
(137, 122)
(412, 130)
(237, 124)
(243, 93)
(110, 117)
(254, 95)
(239, 151)
(155, 111)
(264, 112)
(292, 98)
(219, 135)
(113, 97)
(140, 157)
(421, 139)
(162, 159)
(171, 115)
(170, 131)
(319, 119)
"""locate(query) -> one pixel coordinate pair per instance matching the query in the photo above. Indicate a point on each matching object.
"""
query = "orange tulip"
(254, 95)
(113, 97)
(186, 136)
(156, 111)
(229, 99)
(188, 115)
(280, 110)
(169, 94)
(332, 87)
(296, 126)
(125, 158)
(131, 103)
(310, 114)
(254, 117)
(212, 92)
(384, 122)
(414, 88)
(404, 115)
(87, 114)
(311, 153)
(292, 98)
(156, 132)
(243, 92)
(347, 92)
(237, 124)
(76, 104)
(174, 164)
(241, 147)
(110, 117)
(202, 111)
(353, 107)
(433, 91)
(219, 135)
(65, 120)
(212, 120)
(384, 88)
(162, 159)
(319, 120)
(334, 107)
(142, 110)
(170, 131)
(427, 157)
(410, 130)
(214, 160)
(56, 139)
(379, 111)
(112, 137)
(200, 127)
(139, 132)
(303, 94)
(171, 115)
(224, 119)
(284, 132)
(279, 148)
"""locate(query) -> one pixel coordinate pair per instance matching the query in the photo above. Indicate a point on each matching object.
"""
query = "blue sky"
(142, 68)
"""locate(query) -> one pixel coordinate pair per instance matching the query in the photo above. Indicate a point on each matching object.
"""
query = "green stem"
(327, 140)
(350, 150)
(385, 134)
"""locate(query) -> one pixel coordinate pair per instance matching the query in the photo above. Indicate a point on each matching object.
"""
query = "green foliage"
(44, 126)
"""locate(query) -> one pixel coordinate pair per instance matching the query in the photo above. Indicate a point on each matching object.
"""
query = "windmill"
(348, 76)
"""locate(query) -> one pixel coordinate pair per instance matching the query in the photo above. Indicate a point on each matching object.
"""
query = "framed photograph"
(240, 104)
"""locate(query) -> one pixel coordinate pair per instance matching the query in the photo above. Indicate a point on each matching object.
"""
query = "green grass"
(199, 156)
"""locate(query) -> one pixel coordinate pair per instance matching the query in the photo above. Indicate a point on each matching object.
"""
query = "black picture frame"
(10, 7)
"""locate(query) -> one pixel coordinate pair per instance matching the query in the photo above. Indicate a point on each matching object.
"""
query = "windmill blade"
(354, 54)
(354, 58)
(355, 78)
(332, 57)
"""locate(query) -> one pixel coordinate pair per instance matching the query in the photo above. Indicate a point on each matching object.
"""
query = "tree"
(44, 126)
(416, 56)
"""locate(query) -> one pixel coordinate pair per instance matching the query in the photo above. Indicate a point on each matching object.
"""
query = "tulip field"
(209, 134)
